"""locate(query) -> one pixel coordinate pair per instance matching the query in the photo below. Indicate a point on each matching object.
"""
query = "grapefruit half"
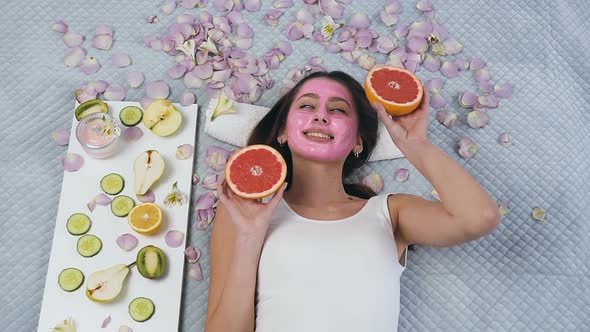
(256, 171)
(397, 89)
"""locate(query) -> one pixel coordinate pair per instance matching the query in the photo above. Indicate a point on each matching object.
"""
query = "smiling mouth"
(318, 135)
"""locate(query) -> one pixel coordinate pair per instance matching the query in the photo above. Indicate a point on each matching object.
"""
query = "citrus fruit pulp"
(255, 172)
(397, 89)
(145, 218)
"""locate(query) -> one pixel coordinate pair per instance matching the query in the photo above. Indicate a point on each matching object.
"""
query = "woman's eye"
(307, 107)
(338, 110)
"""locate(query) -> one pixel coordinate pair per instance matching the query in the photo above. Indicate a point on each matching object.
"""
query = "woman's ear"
(282, 138)
(358, 147)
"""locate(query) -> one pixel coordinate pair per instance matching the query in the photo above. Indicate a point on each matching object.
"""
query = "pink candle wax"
(95, 137)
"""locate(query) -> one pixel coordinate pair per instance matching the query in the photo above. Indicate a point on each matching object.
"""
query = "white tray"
(78, 189)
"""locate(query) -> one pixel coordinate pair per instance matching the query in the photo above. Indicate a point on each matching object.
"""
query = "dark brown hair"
(274, 123)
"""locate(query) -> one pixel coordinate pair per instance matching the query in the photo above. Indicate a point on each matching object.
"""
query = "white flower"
(329, 26)
(223, 106)
(175, 197)
(188, 48)
(209, 46)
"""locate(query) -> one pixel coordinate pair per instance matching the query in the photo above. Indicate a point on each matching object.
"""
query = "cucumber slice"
(112, 184)
(131, 116)
(78, 224)
(70, 279)
(122, 205)
(89, 107)
(141, 309)
(89, 245)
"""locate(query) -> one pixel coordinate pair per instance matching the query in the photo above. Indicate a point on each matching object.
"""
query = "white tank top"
(341, 275)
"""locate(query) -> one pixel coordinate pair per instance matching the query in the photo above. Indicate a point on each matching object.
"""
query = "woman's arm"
(465, 211)
(234, 264)
(236, 243)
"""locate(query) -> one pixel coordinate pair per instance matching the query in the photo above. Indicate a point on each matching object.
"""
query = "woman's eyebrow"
(340, 99)
(331, 99)
(310, 95)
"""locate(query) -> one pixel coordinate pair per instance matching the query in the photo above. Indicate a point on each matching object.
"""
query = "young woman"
(323, 255)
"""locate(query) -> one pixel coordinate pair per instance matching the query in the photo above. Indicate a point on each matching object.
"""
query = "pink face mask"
(322, 123)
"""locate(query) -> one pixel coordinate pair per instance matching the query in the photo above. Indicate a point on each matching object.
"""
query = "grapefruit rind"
(256, 195)
(393, 108)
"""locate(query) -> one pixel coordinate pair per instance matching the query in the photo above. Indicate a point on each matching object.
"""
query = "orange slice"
(256, 171)
(145, 218)
(397, 89)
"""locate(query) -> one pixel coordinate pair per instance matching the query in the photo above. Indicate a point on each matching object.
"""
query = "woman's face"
(322, 123)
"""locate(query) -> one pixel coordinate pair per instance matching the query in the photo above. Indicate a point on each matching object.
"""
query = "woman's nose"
(320, 118)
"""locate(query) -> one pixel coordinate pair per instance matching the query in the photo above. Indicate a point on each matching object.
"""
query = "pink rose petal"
(505, 140)
(148, 197)
(74, 57)
(72, 162)
(503, 208)
(85, 93)
(153, 19)
(106, 322)
(145, 102)
(482, 75)
(184, 151)
(132, 133)
(462, 64)
(401, 174)
(467, 147)
(503, 90)
(373, 181)
(490, 101)
(59, 26)
(115, 92)
(90, 65)
(432, 64)
(272, 17)
(486, 86)
(91, 205)
(176, 71)
(252, 5)
(449, 69)
(72, 39)
(389, 19)
(447, 118)
(196, 178)
(158, 89)
(359, 21)
(102, 199)
(205, 201)
(210, 181)
(195, 272)
(192, 254)
(127, 241)
(174, 238)
(121, 60)
(476, 64)
(99, 86)
(204, 218)
(187, 98)
(135, 79)
(477, 119)
(125, 328)
(216, 158)
(434, 85)
(437, 101)
(102, 42)
(61, 136)
(424, 5)
(467, 99)
(168, 7)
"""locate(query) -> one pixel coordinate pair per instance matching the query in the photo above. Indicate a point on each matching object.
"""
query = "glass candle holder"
(98, 134)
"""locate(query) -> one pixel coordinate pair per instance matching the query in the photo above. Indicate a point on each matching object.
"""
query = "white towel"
(235, 128)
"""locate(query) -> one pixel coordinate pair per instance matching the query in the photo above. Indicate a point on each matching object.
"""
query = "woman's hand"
(250, 217)
(409, 128)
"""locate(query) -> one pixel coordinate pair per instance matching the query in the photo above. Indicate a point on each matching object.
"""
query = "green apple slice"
(169, 125)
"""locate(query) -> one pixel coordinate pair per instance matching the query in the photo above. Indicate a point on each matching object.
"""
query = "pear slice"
(147, 168)
(162, 117)
(104, 286)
